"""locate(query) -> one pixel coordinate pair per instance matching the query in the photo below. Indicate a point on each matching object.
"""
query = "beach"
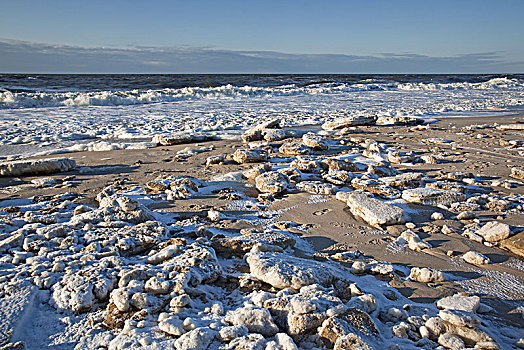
(244, 175)
(193, 244)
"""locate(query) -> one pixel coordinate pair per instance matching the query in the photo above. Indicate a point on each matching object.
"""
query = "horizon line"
(258, 73)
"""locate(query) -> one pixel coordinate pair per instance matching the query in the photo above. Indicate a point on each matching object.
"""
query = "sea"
(43, 114)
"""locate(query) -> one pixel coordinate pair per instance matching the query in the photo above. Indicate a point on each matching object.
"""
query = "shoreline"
(96, 144)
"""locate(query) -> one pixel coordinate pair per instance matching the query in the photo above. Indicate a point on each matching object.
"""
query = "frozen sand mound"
(37, 166)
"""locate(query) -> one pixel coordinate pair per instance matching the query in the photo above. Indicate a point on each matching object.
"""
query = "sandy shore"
(471, 147)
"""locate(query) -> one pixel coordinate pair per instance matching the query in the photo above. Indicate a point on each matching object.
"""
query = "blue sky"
(262, 36)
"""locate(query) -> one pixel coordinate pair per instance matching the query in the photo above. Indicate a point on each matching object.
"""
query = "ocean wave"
(27, 99)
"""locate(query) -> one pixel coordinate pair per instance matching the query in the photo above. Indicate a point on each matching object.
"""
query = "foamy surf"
(53, 114)
(30, 99)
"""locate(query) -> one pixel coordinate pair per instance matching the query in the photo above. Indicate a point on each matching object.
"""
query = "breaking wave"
(30, 99)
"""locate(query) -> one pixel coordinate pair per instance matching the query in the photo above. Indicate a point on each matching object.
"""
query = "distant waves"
(18, 98)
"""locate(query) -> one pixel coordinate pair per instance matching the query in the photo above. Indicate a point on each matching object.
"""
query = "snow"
(89, 275)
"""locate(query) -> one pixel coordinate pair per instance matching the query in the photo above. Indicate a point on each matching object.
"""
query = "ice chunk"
(374, 211)
(316, 187)
(239, 245)
(353, 321)
(460, 318)
(451, 341)
(517, 173)
(413, 240)
(426, 275)
(257, 320)
(197, 339)
(78, 292)
(272, 182)
(180, 138)
(249, 156)
(459, 302)
(494, 231)
(475, 258)
(36, 166)
(232, 332)
(286, 271)
(341, 123)
(315, 141)
(282, 342)
(431, 196)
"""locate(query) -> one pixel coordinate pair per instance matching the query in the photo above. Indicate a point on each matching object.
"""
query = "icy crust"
(374, 211)
(113, 206)
(284, 271)
(431, 196)
(146, 284)
(16, 301)
(80, 292)
(180, 138)
(36, 166)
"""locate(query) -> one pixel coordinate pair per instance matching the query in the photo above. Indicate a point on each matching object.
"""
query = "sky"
(251, 36)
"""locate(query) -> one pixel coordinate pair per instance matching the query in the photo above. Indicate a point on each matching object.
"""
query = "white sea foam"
(32, 122)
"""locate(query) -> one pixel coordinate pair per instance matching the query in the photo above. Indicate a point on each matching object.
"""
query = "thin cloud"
(22, 56)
